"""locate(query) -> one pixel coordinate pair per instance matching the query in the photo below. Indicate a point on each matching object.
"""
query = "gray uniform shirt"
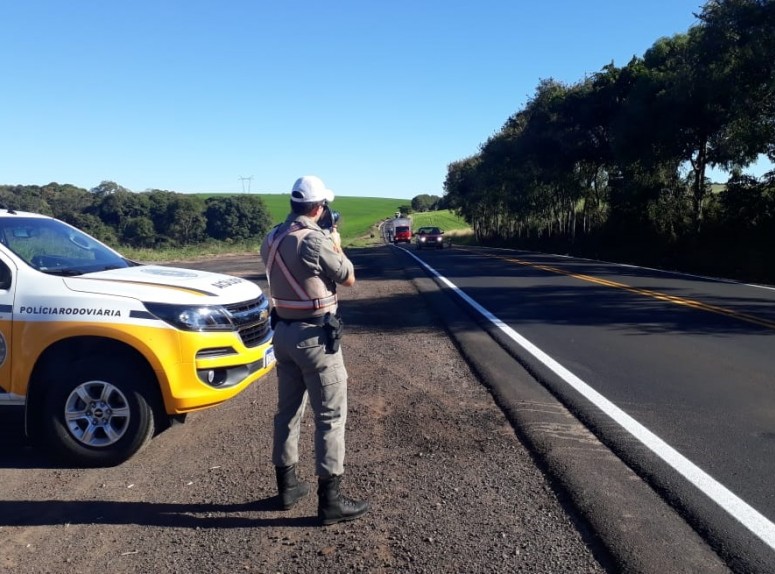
(311, 258)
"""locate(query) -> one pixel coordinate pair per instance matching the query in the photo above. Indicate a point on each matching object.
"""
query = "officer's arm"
(337, 241)
(330, 260)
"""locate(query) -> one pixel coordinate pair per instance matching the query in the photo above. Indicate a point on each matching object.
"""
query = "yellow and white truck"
(104, 352)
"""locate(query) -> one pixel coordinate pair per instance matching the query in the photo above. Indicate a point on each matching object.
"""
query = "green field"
(358, 226)
(358, 214)
(360, 217)
(445, 219)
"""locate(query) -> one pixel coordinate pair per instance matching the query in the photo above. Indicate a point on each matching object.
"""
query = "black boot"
(333, 506)
(289, 487)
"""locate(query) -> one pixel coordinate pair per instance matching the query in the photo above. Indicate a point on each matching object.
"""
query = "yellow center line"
(645, 292)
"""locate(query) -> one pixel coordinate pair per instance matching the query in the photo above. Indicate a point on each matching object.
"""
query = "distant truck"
(399, 230)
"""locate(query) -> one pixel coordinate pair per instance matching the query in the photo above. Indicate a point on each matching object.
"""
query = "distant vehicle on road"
(399, 230)
(429, 237)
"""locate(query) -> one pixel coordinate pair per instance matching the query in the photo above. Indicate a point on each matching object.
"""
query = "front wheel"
(99, 414)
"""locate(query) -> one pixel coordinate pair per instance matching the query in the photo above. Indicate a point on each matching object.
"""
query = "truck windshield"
(54, 247)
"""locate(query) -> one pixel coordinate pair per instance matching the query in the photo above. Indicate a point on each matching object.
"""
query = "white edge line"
(748, 516)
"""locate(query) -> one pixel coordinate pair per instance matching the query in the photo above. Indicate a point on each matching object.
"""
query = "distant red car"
(429, 237)
(403, 233)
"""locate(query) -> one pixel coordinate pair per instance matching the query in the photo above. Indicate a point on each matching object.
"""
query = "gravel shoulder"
(451, 486)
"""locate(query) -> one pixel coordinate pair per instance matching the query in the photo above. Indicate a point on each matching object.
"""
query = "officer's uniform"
(303, 268)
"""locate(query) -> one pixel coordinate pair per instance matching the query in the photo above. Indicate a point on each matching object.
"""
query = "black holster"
(334, 328)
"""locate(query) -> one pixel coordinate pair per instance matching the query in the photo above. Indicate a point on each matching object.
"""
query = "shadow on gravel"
(178, 515)
(15, 449)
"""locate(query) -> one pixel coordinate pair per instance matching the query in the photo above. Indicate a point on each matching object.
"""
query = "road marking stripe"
(736, 507)
(645, 292)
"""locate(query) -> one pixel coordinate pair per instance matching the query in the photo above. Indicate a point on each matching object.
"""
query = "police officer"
(304, 264)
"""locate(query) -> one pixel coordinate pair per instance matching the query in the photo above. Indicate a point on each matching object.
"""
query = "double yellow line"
(644, 292)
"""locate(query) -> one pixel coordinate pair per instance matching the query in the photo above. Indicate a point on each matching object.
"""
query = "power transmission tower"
(243, 180)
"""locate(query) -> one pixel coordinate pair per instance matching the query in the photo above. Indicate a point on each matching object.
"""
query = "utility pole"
(243, 180)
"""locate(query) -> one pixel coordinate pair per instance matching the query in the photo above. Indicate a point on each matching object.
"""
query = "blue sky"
(377, 98)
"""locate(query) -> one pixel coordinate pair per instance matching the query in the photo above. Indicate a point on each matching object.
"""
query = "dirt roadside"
(452, 489)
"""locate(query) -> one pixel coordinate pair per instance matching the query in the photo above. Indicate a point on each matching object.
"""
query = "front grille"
(252, 320)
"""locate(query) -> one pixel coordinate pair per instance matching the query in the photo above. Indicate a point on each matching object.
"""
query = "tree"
(117, 207)
(107, 188)
(425, 202)
(237, 218)
(189, 224)
(66, 200)
(94, 226)
(161, 205)
(739, 35)
(139, 232)
(24, 198)
(747, 204)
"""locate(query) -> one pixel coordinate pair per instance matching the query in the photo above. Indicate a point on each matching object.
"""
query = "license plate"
(269, 357)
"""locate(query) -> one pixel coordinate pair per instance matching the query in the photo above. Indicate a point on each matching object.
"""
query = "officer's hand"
(335, 237)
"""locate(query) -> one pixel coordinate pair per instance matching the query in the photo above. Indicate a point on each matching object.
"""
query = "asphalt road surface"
(675, 373)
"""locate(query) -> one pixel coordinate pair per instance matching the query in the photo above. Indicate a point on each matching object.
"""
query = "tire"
(98, 414)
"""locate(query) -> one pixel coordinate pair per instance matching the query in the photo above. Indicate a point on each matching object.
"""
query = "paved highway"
(675, 373)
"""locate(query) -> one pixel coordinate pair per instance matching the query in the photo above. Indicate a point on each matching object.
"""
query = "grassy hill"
(360, 216)
(445, 219)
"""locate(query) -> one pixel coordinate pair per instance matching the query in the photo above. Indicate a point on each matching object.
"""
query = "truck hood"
(160, 284)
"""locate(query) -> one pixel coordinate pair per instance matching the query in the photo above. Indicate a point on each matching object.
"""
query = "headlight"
(193, 318)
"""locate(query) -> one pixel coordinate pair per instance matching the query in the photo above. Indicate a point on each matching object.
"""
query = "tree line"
(150, 219)
(616, 164)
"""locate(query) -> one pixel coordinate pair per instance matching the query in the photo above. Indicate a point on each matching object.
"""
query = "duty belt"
(311, 304)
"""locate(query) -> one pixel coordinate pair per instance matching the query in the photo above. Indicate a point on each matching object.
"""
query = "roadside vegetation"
(159, 225)
(615, 166)
(455, 227)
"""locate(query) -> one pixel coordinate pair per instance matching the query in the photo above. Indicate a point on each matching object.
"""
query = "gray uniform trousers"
(306, 372)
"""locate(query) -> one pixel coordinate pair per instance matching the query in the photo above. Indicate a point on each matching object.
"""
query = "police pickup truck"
(103, 352)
